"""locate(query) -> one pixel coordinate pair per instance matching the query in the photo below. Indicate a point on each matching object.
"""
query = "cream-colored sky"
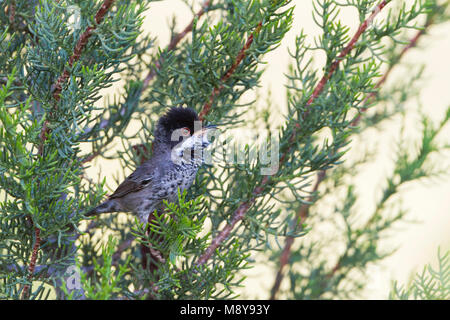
(428, 202)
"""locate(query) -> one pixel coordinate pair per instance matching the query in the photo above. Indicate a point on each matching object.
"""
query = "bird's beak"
(204, 131)
(202, 135)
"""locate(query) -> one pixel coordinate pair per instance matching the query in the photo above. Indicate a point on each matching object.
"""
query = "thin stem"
(12, 13)
(345, 52)
(301, 216)
(411, 44)
(240, 212)
(45, 130)
(176, 39)
(79, 47)
(32, 264)
(173, 44)
(241, 55)
(303, 211)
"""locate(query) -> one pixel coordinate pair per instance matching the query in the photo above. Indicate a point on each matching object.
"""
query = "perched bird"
(177, 154)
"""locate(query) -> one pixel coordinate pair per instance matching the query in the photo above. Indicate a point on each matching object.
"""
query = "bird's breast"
(182, 177)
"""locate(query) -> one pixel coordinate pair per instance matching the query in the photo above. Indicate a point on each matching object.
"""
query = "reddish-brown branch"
(152, 73)
(411, 44)
(32, 265)
(225, 232)
(90, 157)
(45, 130)
(79, 47)
(345, 52)
(43, 137)
(12, 12)
(303, 211)
(16, 23)
(173, 43)
(301, 216)
(223, 235)
(78, 50)
(241, 55)
(239, 214)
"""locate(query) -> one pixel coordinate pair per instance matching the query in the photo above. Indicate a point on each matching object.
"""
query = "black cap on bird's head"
(177, 124)
(177, 118)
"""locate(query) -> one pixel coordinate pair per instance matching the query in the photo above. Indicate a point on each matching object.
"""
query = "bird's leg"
(152, 253)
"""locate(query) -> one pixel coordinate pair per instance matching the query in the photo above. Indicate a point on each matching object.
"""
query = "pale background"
(427, 202)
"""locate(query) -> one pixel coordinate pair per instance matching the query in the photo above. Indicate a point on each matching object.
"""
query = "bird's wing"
(133, 183)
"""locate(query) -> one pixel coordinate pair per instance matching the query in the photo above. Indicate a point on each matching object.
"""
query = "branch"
(345, 52)
(239, 214)
(43, 135)
(79, 47)
(12, 13)
(152, 73)
(32, 265)
(299, 220)
(173, 43)
(16, 24)
(303, 211)
(141, 149)
(411, 44)
(241, 55)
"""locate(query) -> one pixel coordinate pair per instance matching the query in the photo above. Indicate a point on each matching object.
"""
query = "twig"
(303, 211)
(345, 52)
(152, 73)
(32, 265)
(37, 242)
(411, 44)
(122, 247)
(244, 207)
(43, 135)
(299, 220)
(241, 55)
(16, 23)
(79, 47)
(90, 157)
(173, 43)
(12, 13)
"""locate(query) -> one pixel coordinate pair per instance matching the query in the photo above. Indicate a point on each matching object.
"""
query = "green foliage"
(333, 263)
(180, 225)
(108, 285)
(360, 237)
(103, 283)
(48, 140)
(430, 284)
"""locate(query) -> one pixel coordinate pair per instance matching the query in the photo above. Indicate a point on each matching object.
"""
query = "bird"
(178, 151)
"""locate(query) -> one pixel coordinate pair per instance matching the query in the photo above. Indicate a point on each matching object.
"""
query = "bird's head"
(181, 132)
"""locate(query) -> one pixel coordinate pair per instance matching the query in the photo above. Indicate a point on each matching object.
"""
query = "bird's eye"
(186, 132)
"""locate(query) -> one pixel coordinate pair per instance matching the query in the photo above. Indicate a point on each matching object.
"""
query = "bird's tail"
(108, 206)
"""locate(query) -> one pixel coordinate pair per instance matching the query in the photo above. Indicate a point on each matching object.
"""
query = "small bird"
(177, 154)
